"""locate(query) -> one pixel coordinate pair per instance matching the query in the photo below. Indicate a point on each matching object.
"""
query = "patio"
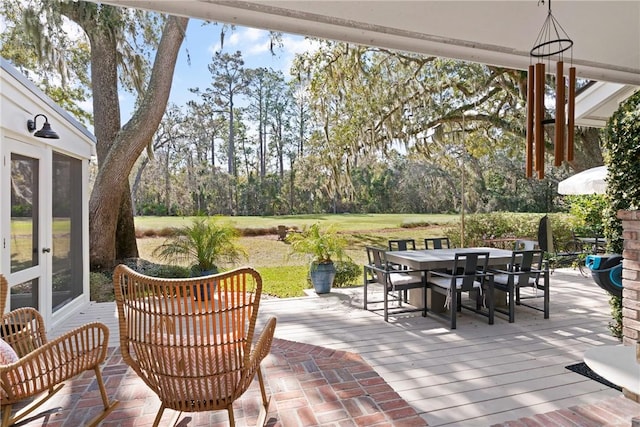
(475, 375)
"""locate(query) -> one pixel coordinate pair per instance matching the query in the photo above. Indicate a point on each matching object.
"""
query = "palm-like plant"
(204, 242)
(320, 244)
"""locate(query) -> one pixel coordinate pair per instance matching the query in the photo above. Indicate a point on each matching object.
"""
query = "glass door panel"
(24, 227)
(67, 230)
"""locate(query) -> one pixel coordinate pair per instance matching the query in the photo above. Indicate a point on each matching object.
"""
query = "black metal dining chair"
(525, 245)
(402, 244)
(379, 273)
(469, 275)
(437, 243)
(526, 269)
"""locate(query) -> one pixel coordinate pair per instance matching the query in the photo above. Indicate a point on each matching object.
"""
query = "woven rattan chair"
(42, 366)
(195, 354)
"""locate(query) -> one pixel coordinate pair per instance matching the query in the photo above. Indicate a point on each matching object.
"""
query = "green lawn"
(285, 275)
(342, 222)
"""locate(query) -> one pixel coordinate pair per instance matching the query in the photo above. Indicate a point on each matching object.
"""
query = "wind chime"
(552, 43)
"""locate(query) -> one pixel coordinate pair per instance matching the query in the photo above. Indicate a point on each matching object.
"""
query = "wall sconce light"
(45, 132)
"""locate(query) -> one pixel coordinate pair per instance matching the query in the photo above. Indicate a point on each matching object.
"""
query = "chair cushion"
(404, 278)
(8, 356)
(503, 279)
(7, 353)
(445, 282)
(202, 374)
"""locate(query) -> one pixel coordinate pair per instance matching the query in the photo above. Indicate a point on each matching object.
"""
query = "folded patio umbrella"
(590, 181)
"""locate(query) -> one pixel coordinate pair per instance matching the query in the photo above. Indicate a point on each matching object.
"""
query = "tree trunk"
(167, 179)
(127, 145)
(136, 183)
(588, 153)
(126, 245)
(106, 110)
(232, 148)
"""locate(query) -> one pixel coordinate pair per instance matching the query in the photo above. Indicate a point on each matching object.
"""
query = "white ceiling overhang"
(599, 101)
(606, 34)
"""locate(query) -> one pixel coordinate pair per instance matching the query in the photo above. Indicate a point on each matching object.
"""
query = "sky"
(203, 40)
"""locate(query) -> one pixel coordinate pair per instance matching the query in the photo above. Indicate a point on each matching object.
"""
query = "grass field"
(267, 251)
(285, 275)
(342, 222)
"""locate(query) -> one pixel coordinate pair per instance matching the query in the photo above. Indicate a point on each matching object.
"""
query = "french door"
(24, 239)
(41, 222)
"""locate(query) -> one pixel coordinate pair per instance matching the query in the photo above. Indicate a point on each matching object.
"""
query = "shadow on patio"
(309, 385)
(476, 375)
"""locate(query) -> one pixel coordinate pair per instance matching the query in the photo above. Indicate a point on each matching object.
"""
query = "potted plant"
(204, 243)
(322, 246)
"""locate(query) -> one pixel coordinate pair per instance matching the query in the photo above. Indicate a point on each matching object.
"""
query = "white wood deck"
(477, 375)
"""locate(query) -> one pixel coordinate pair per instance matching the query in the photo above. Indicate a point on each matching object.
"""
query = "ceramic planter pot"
(205, 290)
(322, 276)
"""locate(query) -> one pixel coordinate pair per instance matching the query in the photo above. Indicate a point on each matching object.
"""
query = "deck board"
(477, 375)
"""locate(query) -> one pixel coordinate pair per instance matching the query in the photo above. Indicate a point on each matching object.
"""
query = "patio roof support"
(631, 283)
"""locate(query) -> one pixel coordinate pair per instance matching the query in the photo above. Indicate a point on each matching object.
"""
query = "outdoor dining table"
(436, 259)
(439, 259)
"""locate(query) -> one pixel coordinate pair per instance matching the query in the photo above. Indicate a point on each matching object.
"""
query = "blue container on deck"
(606, 271)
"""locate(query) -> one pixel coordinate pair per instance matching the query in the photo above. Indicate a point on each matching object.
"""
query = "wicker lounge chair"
(31, 365)
(195, 354)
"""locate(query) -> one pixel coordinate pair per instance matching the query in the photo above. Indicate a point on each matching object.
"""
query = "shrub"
(623, 182)
(588, 210)
(479, 227)
(204, 243)
(347, 273)
(615, 325)
(264, 231)
(320, 244)
(416, 224)
(101, 287)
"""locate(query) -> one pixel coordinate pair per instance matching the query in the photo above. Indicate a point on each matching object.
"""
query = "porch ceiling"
(606, 34)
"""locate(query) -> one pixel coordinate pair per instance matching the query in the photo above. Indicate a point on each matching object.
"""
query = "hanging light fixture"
(45, 132)
(552, 42)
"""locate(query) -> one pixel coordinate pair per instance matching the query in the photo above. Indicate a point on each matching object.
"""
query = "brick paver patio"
(309, 385)
(354, 369)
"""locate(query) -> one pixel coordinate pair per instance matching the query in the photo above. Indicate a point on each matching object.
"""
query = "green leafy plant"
(347, 272)
(623, 182)
(588, 210)
(101, 287)
(204, 243)
(479, 227)
(615, 325)
(320, 245)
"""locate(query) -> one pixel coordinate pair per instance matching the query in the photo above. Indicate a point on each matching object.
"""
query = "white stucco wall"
(21, 100)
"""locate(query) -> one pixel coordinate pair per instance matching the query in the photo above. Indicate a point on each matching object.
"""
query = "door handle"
(46, 250)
